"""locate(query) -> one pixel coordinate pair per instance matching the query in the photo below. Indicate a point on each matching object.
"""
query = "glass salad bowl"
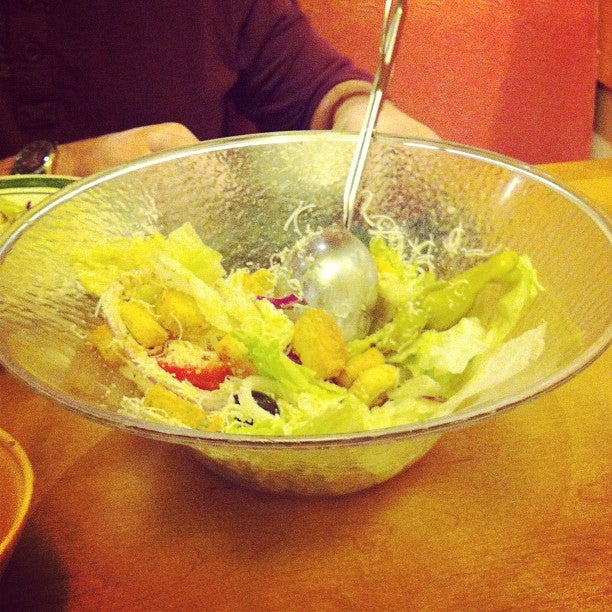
(247, 197)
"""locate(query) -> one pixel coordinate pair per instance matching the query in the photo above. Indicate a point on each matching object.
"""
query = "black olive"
(263, 401)
(266, 402)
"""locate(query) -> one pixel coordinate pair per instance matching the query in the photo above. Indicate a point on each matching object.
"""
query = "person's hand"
(87, 156)
(349, 116)
(344, 107)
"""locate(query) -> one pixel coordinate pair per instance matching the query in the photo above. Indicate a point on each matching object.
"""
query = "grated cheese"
(293, 219)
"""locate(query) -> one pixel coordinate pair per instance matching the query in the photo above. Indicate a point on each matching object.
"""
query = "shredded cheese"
(293, 219)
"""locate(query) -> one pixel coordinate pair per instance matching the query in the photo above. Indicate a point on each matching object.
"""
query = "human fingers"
(94, 154)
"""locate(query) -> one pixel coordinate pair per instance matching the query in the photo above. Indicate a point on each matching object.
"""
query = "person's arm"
(94, 154)
(344, 108)
(291, 78)
(285, 67)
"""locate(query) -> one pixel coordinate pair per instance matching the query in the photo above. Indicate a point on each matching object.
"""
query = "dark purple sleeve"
(285, 68)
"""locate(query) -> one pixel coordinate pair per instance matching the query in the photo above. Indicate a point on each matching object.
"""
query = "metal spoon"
(336, 269)
(392, 25)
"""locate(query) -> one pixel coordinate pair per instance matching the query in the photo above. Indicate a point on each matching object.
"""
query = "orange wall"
(603, 115)
(514, 76)
(604, 46)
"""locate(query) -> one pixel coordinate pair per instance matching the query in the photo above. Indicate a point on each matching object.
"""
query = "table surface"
(513, 513)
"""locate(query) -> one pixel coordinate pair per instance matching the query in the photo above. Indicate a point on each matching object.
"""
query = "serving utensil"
(335, 268)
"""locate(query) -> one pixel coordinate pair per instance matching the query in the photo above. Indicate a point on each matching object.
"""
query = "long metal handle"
(392, 24)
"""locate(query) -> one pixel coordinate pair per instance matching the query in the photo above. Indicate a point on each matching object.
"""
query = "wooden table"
(511, 514)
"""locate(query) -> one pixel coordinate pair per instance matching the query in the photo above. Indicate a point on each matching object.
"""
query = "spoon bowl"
(339, 275)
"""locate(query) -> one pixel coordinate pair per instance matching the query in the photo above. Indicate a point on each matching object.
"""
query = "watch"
(35, 158)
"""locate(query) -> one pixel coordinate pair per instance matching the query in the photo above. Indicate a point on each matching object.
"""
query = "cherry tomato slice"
(207, 377)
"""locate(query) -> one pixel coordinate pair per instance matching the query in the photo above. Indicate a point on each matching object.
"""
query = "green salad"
(9, 211)
(240, 352)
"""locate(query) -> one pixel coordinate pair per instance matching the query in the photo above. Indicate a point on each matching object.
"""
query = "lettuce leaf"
(173, 275)
(308, 405)
(395, 338)
(524, 288)
(254, 316)
(417, 399)
(399, 281)
(271, 361)
(500, 364)
(443, 354)
(312, 415)
(99, 265)
(184, 245)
